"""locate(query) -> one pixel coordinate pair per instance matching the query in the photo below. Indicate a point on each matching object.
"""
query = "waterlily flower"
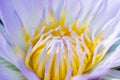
(59, 39)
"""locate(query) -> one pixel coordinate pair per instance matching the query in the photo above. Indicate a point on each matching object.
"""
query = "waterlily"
(59, 39)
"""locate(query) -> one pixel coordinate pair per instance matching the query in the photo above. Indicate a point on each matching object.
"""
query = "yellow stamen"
(59, 51)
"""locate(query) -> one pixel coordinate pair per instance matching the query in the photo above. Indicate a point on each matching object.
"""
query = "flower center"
(59, 51)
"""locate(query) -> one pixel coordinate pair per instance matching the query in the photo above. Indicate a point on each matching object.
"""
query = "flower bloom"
(59, 39)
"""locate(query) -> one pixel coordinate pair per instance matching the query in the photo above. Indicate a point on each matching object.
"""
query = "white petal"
(7, 52)
(30, 12)
(11, 23)
(106, 12)
(30, 75)
(72, 10)
(86, 7)
(9, 71)
(57, 6)
(79, 78)
(114, 73)
(111, 59)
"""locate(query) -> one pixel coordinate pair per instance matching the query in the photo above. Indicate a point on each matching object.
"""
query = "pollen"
(58, 51)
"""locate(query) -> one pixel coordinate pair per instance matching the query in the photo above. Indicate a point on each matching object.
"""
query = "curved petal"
(114, 73)
(107, 11)
(107, 63)
(93, 75)
(72, 11)
(30, 75)
(57, 6)
(111, 26)
(11, 23)
(86, 7)
(2, 30)
(97, 73)
(30, 12)
(111, 59)
(78, 11)
(7, 52)
(9, 72)
(104, 46)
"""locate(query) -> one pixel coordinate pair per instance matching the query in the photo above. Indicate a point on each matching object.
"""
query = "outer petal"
(73, 8)
(86, 7)
(93, 75)
(7, 52)
(11, 23)
(30, 12)
(30, 75)
(111, 59)
(9, 71)
(57, 7)
(109, 62)
(114, 74)
(108, 10)
(111, 26)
